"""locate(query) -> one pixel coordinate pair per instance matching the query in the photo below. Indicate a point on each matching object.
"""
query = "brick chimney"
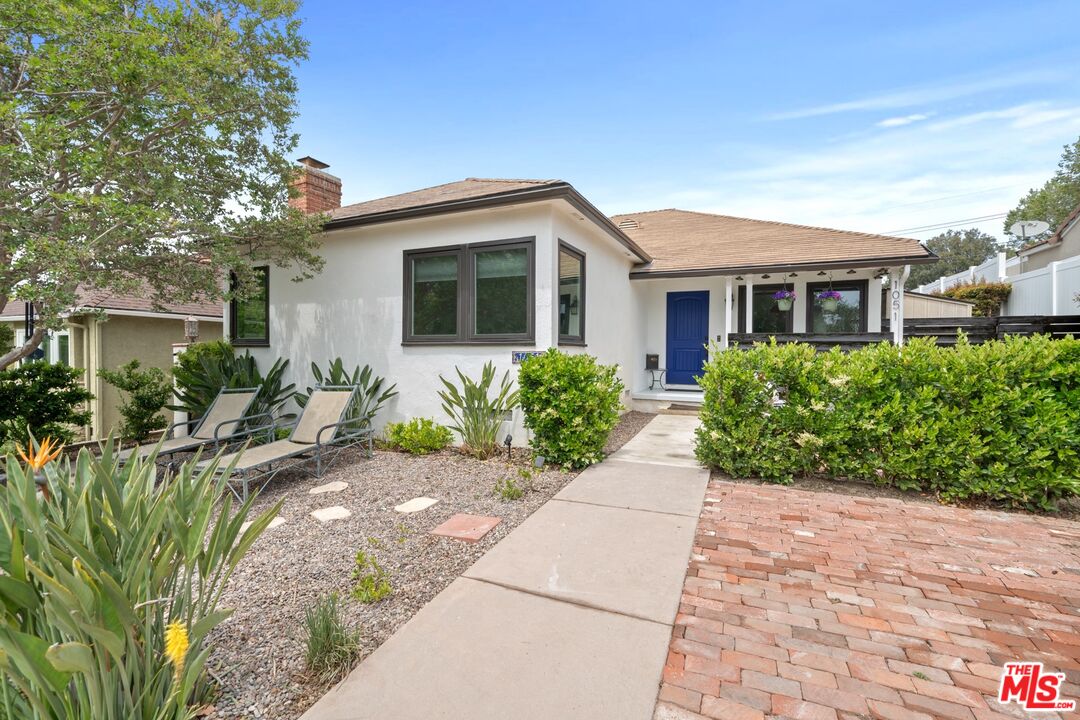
(319, 191)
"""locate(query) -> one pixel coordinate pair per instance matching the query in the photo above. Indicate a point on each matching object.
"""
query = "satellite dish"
(1028, 228)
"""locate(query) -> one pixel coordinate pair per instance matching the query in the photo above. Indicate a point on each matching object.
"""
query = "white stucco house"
(480, 269)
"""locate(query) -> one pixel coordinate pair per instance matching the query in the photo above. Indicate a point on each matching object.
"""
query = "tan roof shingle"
(467, 189)
(104, 300)
(686, 241)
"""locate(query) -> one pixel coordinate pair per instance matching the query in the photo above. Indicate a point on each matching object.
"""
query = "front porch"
(687, 318)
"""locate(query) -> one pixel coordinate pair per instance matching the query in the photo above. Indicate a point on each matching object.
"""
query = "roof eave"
(786, 267)
(557, 191)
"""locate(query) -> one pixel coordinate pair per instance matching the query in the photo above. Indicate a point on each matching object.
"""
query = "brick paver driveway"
(814, 605)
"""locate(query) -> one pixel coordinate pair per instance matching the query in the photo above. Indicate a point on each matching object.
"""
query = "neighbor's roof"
(682, 242)
(104, 300)
(473, 194)
(1059, 232)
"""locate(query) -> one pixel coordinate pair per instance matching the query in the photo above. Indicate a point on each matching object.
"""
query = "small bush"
(477, 415)
(571, 403)
(418, 436)
(146, 393)
(998, 421)
(7, 337)
(47, 399)
(986, 296)
(508, 489)
(332, 645)
(372, 583)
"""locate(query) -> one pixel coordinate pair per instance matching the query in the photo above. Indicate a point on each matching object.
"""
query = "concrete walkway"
(570, 616)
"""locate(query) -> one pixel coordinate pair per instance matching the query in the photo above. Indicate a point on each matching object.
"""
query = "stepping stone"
(415, 505)
(334, 512)
(469, 528)
(335, 486)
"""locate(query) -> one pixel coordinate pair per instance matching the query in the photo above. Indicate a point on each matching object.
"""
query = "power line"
(947, 224)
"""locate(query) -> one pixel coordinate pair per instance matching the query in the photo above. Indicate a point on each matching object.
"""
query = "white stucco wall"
(613, 319)
(353, 309)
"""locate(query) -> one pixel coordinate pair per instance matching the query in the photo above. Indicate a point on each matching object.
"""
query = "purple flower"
(784, 295)
(829, 295)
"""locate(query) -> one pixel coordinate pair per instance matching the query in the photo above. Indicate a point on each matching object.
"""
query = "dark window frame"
(812, 289)
(466, 295)
(250, 342)
(579, 339)
(770, 288)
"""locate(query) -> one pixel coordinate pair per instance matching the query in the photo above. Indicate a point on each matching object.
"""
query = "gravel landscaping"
(259, 652)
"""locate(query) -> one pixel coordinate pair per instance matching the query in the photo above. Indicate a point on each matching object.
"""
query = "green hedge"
(571, 403)
(998, 421)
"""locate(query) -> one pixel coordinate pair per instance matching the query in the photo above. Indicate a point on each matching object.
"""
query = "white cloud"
(924, 95)
(902, 120)
(916, 174)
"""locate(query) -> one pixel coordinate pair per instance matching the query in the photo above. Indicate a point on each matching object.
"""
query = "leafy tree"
(143, 148)
(958, 250)
(1057, 198)
(146, 393)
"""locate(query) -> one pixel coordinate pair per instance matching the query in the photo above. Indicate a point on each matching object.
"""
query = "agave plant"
(197, 384)
(110, 586)
(477, 416)
(370, 397)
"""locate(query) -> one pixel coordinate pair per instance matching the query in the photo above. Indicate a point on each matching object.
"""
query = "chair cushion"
(323, 408)
(227, 406)
(262, 454)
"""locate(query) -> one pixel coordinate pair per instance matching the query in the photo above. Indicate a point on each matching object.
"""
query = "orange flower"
(47, 451)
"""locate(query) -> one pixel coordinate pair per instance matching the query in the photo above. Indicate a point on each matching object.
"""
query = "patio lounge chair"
(225, 421)
(321, 433)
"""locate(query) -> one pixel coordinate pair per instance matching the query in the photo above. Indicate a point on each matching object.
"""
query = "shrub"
(571, 403)
(369, 399)
(199, 380)
(332, 645)
(476, 415)
(986, 296)
(372, 583)
(510, 488)
(47, 399)
(111, 585)
(147, 392)
(418, 436)
(998, 421)
(7, 337)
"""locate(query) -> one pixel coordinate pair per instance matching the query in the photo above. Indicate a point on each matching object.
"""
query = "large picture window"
(768, 318)
(481, 293)
(849, 314)
(571, 296)
(249, 319)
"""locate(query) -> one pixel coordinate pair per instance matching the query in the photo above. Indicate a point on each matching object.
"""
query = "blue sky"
(870, 116)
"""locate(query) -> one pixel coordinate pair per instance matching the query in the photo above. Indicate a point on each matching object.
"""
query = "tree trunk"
(27, 347)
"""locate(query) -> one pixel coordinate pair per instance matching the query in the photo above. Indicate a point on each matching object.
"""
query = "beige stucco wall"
(150, 340)
(926, 306)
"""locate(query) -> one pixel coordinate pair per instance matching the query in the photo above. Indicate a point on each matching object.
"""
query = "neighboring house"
(459, 274)
(1062, 244)
(106, 331)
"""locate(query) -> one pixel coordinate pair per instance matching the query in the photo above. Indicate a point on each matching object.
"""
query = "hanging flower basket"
(829, 300)
(784, 299)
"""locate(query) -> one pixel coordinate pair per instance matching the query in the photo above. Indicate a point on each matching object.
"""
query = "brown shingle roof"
(467, 189)
(685, 241)
(104, 300)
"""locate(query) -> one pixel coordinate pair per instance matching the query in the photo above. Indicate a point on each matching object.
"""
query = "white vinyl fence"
(993, 270)
(1046, 291)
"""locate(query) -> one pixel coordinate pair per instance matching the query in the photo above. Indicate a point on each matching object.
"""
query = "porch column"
(749, 304)
(897, 278)
(727, 312)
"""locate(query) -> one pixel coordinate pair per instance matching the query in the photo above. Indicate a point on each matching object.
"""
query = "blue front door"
(687, 335)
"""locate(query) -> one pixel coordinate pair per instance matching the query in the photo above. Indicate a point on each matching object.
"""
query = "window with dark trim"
(249, 318)
(571, 295)
(768, 318)
(483, 293)
(851, 308)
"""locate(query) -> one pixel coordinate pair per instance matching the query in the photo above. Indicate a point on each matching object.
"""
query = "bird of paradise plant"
(111, 588)
(47, 451)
